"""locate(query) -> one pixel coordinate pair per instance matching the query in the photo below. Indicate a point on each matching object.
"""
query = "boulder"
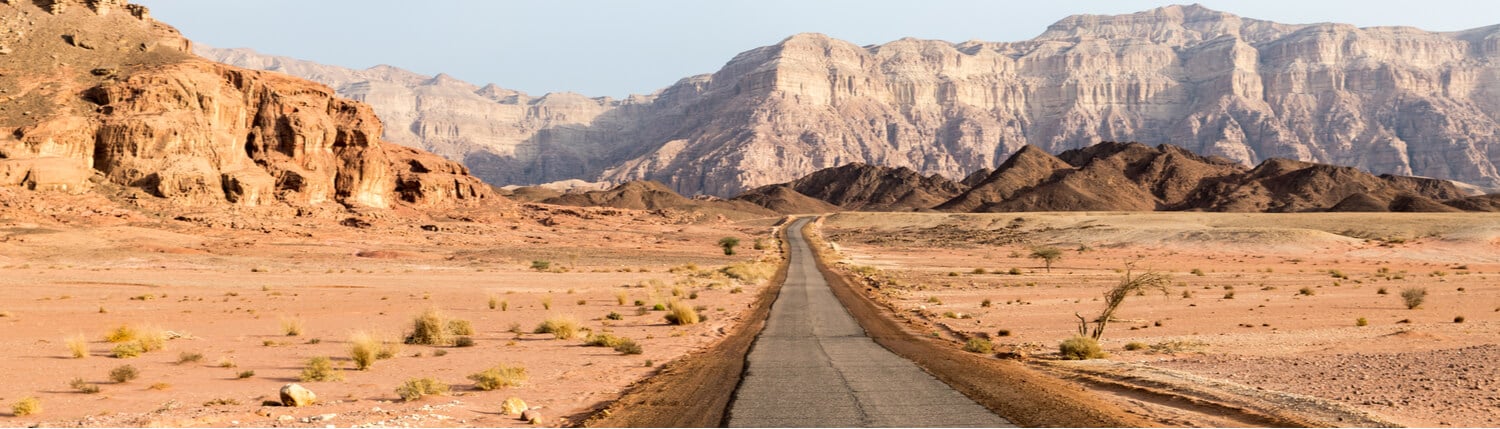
(532, 416)
(294, 395)
(513, 406)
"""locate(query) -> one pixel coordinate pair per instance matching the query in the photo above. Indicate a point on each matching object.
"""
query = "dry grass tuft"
(416, 388)
(561, 327)
(499, 377)
(679, 313)
(320, 369)
(1080, 348)
(78, 345)
(26, 406)
(291, 326)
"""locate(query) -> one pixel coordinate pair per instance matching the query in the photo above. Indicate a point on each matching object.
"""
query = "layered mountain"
(99, 94)
(648, 195)
(1392, 100)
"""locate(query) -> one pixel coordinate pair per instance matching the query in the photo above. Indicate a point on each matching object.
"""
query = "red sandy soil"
(226, 291)
(1412, 367)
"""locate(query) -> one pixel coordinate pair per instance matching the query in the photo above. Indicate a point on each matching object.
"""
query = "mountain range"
(1394, 100)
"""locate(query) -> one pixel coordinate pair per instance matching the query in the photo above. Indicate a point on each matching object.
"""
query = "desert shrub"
(541, 265)
(364, 350)
(1413, 297)
(736, 289)
(463, 341)
(748, 271)
(621, 297)
(729, 243)
(126, 350)
(1361, 322)
(123, 373)
(980, 271)
(1014, 271)
(1197, 272)
(1229, 295)
(416, 388)
(226, 362)
(1003, 333)
(121, 334)
(546, 303)
(659, 307)
(320, 369)
(614, 316)
(499, 377)
(428, 328)
(494, 302)
(1458, 319)
(1337, 274)
(1381, 291)
(561, 327)
(1307, 291)
(682, 314)
(986, 303)
(460, 327)
(1047, 254)
(628, 347)
(604, 339)
(26, 406)
(159, 386)
(1080, 348)
(291, 326)
(83, 386)
(245, 374)
(78, 345)
(439, 353)
(1135, 345)
(979, 345)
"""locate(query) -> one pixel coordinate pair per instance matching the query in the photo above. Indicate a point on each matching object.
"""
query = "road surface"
(813, 366)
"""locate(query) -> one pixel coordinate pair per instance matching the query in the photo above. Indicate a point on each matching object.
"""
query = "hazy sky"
(622, 47)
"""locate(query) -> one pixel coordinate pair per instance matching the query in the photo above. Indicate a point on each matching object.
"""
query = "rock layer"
(119, 99)
(1394, 100)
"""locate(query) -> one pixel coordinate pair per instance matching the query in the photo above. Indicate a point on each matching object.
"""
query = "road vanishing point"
(813, 366)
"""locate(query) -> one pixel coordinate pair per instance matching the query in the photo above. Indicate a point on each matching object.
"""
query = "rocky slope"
(1135, 177)
(99, 94)
(858, 186)
(648, 195)
(1392, 100)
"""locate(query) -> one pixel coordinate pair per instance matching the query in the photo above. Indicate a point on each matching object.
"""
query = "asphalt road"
(813, 366)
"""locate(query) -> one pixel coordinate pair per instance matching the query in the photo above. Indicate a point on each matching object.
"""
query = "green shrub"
(1080, 348)
(614, 316)
(728, 243)
(561, 327)
(979, 345)
(499, 377)
(416, 388)
(123, 373)
(320, 369)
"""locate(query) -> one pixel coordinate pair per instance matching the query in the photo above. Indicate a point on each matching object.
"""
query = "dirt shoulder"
(695, 390)
(1008, 388)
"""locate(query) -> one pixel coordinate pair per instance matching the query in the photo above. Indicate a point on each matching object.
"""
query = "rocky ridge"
(101, 100)
(1394, 100)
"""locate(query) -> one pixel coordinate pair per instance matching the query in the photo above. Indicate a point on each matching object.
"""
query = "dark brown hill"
(783, 199)
(859, 186)
(651, 195)
(1135, 177)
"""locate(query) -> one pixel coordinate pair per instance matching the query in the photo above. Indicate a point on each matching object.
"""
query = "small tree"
(728, 243)
(1131, 284)
(1413, 297)
(1047, 254)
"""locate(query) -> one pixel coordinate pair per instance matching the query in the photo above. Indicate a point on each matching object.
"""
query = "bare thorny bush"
(1131, 284)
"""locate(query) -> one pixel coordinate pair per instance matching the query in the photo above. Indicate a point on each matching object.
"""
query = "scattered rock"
(532, 416)
(294, 395)
(513, 406)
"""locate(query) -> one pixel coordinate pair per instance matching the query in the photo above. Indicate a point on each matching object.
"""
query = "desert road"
(813, 366)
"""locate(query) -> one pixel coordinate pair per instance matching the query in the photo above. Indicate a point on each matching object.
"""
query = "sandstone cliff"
(97, 92)
(1394, 100)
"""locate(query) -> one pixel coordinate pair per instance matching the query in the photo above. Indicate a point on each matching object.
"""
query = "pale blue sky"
(616, 47)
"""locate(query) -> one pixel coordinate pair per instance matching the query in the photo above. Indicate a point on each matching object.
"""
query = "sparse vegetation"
(561, 327)
(500, 376)
(749, 271)
(1381, 291)
(986, 303)
(679, 313)
(1361, 322)
(126, 350)
(628, 347)
(1413, 297)
(245, 374)
(78, 345)
(26, 406)
(1135, 345)
(121, 334)
(1014, 271)
(463, 341)
(226, 362)
(320, 369)
(365, 349)
(1047, 254)
(433, 329)
(729, 243)
(621, 297)
(83, 386)
(1129, 284)
(494, 302)
(1197, 272)
(416, 388)
(1080, 348)
(291, 326)
(979, 345)
(604, 339)
(547, 303)
(1458, 319)
(1306, 291)
(460, 327)
(123, 373)
(614, 316)
(540, 265)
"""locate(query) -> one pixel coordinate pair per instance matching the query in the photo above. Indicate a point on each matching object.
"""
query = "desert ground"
(225, 297)
(1268, 304)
